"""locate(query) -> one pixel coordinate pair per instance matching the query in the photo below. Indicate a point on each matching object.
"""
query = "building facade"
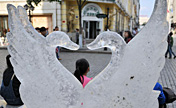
(174, 11)
(45, 14)
(171, 13)
(123, 15)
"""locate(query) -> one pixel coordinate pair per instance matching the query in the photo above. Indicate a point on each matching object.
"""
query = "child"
(82, 68)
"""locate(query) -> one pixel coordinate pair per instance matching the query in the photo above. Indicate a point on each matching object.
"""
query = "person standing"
(135, 31)
(128, 36)
(56, 28)
(47, 32)
(43, 31)
(57, 48)
(83, 37)
(77, 36)
(170, 45)
(38, 29)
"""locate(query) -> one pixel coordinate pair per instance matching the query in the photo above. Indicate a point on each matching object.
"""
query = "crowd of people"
(44, 31)
(10, 84)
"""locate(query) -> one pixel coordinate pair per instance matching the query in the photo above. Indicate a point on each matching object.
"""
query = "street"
(98, 61)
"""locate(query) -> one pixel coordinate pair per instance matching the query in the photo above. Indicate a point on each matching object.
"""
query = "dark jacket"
(7, 75)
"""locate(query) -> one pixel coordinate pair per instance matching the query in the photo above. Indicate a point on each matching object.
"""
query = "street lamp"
(30, 8)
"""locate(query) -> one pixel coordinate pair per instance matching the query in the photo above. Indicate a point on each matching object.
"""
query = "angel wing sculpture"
(127, 81)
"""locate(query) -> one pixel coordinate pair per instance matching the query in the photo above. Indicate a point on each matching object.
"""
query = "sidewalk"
(99, 61)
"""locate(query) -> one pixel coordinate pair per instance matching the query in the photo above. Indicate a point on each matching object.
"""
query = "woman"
(82, 68)
(10, 86)
(128, 36)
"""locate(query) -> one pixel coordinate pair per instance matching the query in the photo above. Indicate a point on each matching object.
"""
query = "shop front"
(91, 24)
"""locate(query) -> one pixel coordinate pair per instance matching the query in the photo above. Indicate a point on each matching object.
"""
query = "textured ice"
(127, 81)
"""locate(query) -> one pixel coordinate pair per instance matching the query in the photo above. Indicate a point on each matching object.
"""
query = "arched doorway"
(91, 24)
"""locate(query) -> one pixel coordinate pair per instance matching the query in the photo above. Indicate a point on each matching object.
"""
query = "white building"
(45, 14)
(125, 15)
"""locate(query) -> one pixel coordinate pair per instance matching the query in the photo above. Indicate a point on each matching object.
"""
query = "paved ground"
(98, 63)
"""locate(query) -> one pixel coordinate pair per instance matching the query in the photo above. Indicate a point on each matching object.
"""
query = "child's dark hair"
(81, 68)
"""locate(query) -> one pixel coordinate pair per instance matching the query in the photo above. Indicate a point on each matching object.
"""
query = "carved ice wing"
(45, 83)
(130, 84)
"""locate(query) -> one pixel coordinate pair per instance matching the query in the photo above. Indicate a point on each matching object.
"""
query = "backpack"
(169, 94)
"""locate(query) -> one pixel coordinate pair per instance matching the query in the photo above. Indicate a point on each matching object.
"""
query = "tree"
(80, 4)
(29, 2)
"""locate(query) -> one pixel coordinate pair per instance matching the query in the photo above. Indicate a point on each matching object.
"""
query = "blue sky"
(146, 7)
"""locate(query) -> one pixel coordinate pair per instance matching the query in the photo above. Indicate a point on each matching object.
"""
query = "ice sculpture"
(127, 81)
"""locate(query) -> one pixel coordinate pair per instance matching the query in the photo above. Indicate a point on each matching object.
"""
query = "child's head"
(82, 68)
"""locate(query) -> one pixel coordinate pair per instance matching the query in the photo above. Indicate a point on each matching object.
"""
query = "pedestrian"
(170, 45)
(83, 37)
(43, 31)
(135, 31)
(10, 85)
(82, 68)
(57, 48)
(4, 35)
(128, 36)
(38, 29)
(77, 36)
(56, 28)
(161, 98)
(58, 53)
(47, 32)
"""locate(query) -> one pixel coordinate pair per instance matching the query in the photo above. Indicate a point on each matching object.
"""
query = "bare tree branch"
(77, 2)
(83, 3)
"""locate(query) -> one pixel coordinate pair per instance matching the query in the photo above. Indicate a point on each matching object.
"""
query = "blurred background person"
(47, 32)
(128, 36)
(170, 42)
(77, 36)
(38, 29)
(135, 31)
(56, 28)
(57, 48)
(43, 31)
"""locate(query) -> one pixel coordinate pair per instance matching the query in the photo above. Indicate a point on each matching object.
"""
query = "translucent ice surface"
(127, 81)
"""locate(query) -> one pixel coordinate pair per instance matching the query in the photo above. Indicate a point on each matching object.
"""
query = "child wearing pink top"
(85, 81)
(82, 68)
